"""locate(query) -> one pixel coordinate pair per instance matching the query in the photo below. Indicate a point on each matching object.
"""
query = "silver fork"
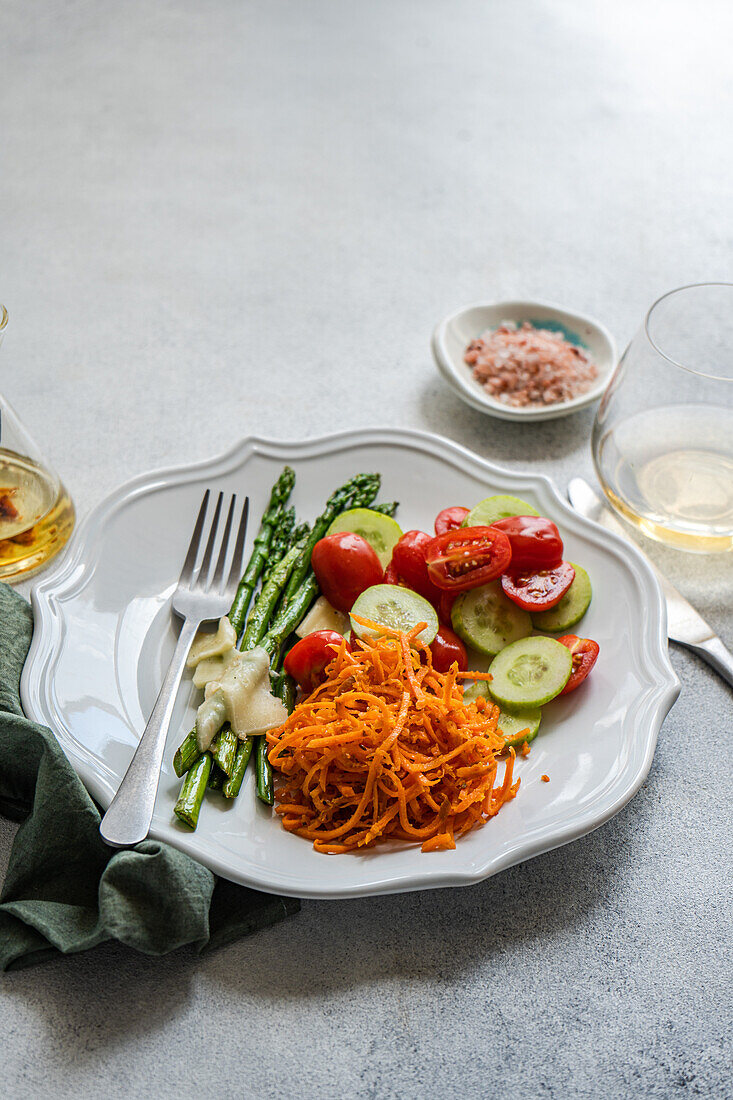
(198, 598)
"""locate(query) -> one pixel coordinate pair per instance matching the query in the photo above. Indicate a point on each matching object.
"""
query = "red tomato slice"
(446, 647)
(307, 660)
(585, 654)
(536, 542)
(345, 565)
(450, 519)
(541, 590)
(408, 559)
(468, 557)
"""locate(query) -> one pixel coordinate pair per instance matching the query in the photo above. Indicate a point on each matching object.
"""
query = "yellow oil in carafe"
(36, 515)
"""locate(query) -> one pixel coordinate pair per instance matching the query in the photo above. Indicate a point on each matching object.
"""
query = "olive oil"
(36, 515)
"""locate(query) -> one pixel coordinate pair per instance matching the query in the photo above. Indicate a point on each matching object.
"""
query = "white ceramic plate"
(454, 334)
(104, 635)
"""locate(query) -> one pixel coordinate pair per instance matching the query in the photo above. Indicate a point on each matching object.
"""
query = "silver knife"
(684, 625)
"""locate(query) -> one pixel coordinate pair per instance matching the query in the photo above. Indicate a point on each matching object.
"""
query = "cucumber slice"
(511, 723)
(399, 608)
(380, 531)
(519, 726)
(530, 672)
(475, 689)
(487, 620)
(571, 608)
(490, 510)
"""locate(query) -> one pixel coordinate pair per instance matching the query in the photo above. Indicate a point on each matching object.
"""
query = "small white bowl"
(454, 334)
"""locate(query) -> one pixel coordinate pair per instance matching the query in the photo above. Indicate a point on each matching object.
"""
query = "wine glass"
(663, 436)
(36, 512)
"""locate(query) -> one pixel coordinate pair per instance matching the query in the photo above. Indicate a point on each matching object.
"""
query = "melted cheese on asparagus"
(236, 687)
(322, 616)
(212, 645)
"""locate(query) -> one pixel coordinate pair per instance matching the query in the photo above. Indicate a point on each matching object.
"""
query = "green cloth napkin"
(65, 890)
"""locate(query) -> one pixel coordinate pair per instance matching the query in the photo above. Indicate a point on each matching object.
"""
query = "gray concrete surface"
(278, 201)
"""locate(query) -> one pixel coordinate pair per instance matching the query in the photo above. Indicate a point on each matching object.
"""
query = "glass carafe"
(36, 512)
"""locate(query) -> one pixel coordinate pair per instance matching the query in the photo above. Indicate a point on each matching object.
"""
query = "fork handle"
(130, 812)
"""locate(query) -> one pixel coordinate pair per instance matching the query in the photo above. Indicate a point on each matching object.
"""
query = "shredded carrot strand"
(386, 748)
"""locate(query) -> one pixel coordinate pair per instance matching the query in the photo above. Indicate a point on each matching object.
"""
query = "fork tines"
(200, 578)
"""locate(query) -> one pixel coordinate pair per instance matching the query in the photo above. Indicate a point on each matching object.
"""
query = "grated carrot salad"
(386, 748)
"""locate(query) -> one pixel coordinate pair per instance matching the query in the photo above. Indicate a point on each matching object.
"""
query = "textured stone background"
(277, 201)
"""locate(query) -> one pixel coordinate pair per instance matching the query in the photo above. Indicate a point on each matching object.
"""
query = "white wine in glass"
(663, 436)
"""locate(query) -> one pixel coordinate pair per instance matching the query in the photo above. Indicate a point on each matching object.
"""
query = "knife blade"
(685, 625)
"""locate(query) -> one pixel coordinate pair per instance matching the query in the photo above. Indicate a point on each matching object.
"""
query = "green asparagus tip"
(283, 487)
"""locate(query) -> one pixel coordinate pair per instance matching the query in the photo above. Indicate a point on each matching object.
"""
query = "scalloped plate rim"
(651, 706)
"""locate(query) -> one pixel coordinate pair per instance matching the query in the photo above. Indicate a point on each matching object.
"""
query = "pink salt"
(526, 366)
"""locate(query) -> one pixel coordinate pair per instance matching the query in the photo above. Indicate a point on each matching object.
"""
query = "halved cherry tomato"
(584, 653)
(450, 519)
(536, 542)
(468, 557)
(446, 647)
(540, 590)
(408, 559)
(308, 658)
(345, 565)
